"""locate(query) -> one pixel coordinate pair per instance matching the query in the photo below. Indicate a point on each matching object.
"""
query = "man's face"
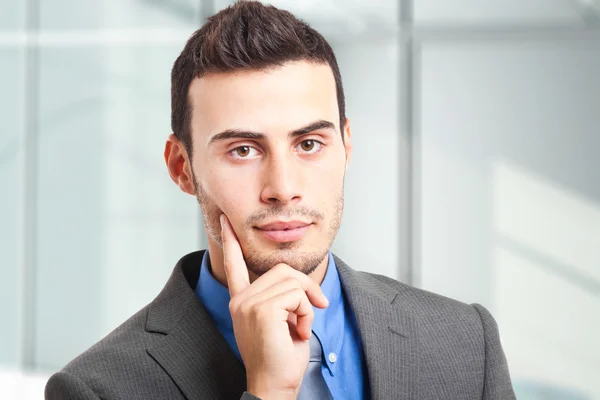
(293, 170)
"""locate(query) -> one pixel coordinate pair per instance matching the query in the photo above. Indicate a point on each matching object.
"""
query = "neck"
(215, 252)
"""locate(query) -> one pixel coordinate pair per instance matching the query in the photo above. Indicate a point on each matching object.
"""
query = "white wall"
(11, 147)
(510, 196)
(17, 385)
(111, 224)
(462, 13)
(369, 235)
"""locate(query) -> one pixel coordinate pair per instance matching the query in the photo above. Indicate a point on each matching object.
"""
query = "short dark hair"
(247, 35)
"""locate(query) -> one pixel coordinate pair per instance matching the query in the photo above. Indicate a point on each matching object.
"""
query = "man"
(260, 137)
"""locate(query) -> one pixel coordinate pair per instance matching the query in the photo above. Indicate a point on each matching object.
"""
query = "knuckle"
(307, 303)
(255, 309)
(310, 316)
(301, 277)
(280, 268)
(262, 311)
(292, 283)
(302, 298)
(234, 305)
(246, 309)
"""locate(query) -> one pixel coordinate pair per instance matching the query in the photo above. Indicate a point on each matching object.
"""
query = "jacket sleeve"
(497, 384)
(64, 386)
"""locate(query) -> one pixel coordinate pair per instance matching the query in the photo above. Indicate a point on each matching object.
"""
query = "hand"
(272, 320)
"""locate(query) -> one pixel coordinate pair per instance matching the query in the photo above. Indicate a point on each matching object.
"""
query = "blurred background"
(476, 171)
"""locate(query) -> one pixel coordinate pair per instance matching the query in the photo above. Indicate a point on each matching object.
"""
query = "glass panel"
(370, 75)
(12, 16)
(342, 19)
(86, 15)
(431, 12)
(510, 201)
(111, 222)
(11, 128)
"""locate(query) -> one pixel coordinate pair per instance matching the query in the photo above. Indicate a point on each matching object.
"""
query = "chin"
(260, 258)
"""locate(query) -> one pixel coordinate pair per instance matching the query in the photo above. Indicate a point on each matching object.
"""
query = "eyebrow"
(243, 134)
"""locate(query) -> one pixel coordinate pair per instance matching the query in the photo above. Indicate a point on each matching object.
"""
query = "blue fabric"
(335, 327)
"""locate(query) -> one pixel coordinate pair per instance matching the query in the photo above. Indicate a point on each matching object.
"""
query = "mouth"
(284, 231)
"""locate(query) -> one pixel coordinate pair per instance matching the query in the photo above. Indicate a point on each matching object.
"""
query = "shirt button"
(332, 357)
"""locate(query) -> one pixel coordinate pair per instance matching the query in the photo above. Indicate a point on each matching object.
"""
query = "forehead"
(272, 101)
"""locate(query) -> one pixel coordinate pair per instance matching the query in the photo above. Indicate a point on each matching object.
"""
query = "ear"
(348, 141)
(178, 165)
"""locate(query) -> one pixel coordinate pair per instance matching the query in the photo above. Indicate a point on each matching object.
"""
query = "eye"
(310, 146)
(242, 152)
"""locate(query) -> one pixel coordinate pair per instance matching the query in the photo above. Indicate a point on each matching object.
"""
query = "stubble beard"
(260, 261)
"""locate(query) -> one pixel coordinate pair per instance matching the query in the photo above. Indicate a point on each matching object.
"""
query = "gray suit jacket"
(418, 345)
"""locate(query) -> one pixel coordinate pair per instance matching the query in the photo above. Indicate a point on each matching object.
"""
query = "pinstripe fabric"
(418, 345)
(421, 345)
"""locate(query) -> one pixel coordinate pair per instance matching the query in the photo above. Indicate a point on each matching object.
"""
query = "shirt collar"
(328, 324)
(214, 296)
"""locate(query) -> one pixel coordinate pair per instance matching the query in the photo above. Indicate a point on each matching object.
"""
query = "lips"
(283, 226)
(286, 235)
(284, 231)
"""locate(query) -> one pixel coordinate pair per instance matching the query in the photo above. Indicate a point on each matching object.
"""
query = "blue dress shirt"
(344, 369)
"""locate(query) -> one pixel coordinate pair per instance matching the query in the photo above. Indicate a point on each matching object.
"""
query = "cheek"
(229, 198)
(331, 176)
(326, 190)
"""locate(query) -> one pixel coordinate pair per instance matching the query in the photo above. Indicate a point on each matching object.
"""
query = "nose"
(282, 181)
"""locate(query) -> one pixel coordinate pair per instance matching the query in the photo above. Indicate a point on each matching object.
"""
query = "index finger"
(234, 264)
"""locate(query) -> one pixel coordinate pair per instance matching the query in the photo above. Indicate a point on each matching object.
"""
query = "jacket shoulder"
(450, 334)
(444, 324)
(115, 365)
(124, 342)
(423, 303)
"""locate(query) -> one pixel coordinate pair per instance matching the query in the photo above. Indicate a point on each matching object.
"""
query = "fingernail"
(221, 219)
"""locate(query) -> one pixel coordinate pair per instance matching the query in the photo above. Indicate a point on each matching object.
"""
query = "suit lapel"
(192, 351)
(388, 334)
